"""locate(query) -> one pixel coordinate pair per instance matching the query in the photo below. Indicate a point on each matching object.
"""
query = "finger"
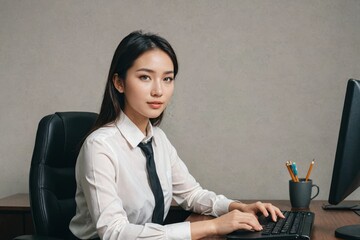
(273, 213)
(279, 212)
(253, 221)
(261, 207)
(248, 219)
(253, 225)
(245, 227)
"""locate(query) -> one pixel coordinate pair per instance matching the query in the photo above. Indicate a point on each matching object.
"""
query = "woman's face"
(148, 86)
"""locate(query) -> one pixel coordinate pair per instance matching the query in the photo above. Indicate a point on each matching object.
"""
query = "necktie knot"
(146, 148)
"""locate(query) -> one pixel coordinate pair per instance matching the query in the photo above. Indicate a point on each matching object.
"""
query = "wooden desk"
(325, 221)
(15, 216)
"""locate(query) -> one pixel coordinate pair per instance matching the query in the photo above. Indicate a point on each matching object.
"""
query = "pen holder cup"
(300, 193)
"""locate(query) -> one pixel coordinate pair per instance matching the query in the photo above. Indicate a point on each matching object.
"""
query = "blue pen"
(294, 168)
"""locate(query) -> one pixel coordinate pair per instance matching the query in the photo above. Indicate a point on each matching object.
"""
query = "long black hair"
(129, 49)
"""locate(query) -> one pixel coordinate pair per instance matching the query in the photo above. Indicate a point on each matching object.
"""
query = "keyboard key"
(278, 226)
(296, 224)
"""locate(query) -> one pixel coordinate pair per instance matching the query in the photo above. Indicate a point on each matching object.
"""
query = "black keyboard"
(295, 225)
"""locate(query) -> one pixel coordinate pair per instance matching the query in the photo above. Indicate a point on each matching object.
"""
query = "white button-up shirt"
(114, 199)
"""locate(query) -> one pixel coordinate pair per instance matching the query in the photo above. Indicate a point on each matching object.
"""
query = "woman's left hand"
(258, 207)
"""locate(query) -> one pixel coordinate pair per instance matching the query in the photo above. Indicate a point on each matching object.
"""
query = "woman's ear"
(118, 83)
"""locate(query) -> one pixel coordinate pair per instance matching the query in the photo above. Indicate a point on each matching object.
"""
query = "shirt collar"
(132, 133)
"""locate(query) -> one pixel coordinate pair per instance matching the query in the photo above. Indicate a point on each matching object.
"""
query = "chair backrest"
(52, 172)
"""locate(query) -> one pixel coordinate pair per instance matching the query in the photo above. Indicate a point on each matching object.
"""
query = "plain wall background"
(260, 82)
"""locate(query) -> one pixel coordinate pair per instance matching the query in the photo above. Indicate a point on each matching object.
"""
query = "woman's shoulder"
(101, 134)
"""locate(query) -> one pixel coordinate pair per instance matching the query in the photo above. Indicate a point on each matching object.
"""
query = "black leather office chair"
(52, 175)
(52, 172)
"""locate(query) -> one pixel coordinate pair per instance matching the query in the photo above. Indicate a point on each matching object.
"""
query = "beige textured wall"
(260, 82)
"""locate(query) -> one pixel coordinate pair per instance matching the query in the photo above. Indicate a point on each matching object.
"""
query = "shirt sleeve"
(96, 174)
(188, 193)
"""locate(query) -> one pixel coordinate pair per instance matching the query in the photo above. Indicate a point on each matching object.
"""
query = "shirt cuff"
(222, 206)
(178, 231)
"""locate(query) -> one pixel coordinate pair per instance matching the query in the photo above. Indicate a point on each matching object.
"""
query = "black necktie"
(158, 214)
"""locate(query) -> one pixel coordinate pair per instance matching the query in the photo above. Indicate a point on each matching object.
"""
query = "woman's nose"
(157, 90)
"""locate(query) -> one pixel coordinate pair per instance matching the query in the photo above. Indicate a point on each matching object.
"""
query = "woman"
(117, 196)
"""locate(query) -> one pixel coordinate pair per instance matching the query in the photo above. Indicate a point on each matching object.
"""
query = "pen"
(310, 169)
(294, 168)
(288, 164)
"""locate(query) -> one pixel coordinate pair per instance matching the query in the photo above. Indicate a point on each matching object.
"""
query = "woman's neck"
(140, 122)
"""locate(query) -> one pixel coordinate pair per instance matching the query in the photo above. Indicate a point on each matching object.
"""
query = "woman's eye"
(144, 77)
(168, 79)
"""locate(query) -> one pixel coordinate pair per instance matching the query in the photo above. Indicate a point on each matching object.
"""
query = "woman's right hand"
(236, 220)
(225, 224)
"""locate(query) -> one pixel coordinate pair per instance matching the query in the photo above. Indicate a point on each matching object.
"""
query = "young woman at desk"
(120, 194)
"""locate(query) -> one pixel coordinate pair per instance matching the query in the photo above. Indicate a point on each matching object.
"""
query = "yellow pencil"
(309, 171)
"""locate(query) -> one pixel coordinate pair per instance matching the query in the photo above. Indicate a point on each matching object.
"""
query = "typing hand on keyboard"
(295, 225)
(266, 209)
(242, 216)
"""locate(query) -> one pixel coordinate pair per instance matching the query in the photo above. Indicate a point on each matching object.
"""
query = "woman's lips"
(155, 104)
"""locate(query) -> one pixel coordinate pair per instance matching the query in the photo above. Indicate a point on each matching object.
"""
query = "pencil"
(290, 171)
(310, 169)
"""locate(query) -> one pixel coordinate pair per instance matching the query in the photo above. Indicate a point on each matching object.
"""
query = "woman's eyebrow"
(145, 70)
(152, 71)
